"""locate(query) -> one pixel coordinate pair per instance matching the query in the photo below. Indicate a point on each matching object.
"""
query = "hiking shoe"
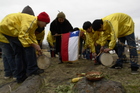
(21, 79)
(134, 72)
(125, 61)
(14, 78)
(117, 67)
(39, 71)
(61, 62)
(7, 77)
(96, 62)
(69, 62)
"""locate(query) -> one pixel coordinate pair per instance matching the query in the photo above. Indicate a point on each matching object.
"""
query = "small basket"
(94, 76)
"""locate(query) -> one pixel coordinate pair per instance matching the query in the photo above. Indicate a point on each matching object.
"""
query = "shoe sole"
(7, 78)
(134, 73)
(118, 67)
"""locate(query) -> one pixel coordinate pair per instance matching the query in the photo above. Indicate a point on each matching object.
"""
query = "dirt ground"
(57, 77)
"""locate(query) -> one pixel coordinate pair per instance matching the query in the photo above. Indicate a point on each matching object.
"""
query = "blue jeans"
(25, 58)
(52, 50)
(8, 59)
(132, 49)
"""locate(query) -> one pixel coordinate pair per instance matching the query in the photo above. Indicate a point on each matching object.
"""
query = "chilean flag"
(70, 46)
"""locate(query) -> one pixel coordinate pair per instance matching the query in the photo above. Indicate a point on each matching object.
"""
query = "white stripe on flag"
(73, 48)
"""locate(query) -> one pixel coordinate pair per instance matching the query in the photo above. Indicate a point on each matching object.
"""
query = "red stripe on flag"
(64, 46)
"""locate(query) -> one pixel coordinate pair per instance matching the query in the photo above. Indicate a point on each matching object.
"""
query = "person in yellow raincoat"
(39, 32)
(8, 58)
(19, 29)
(91, 38)
(51, 41)
(119, 26)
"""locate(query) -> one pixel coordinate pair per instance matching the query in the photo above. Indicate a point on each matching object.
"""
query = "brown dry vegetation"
(57, 77)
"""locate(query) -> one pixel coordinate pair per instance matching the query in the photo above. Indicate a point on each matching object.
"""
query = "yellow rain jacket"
(102, 40)
(51, 39)
(82, 33)
(3, 38)
(117, 25)
(91, 38)
(40, 36)
(20, 25)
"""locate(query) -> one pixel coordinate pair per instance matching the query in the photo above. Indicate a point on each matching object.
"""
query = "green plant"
(64, 88)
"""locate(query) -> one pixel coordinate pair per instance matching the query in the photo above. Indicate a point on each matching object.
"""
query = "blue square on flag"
(75, 33)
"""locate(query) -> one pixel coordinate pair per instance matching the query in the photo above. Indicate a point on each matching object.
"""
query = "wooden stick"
(98, 54)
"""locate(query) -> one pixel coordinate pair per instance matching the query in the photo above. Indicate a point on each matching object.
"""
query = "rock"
(7, 88)
(101, 86)
(31, 85)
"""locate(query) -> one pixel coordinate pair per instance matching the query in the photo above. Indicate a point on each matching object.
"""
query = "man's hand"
(37, 47)
(94, 54)
(107, 50)
(57, 34)
(102, 48)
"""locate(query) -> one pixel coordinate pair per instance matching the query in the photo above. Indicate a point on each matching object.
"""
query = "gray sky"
(76, 11)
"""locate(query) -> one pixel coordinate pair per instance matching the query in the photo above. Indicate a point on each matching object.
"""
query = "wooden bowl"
(94, 76)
